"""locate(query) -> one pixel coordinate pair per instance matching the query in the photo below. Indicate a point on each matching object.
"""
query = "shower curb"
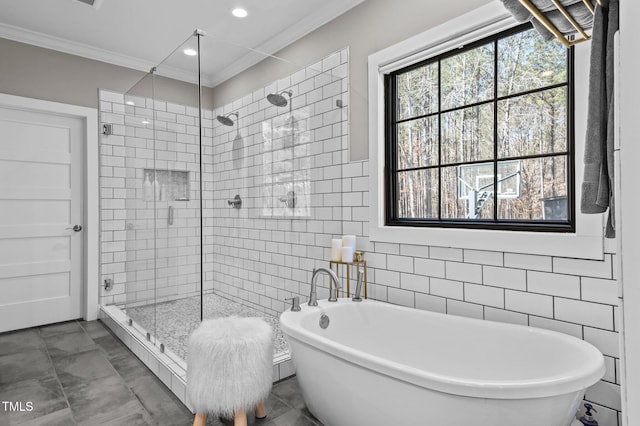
(169, 368)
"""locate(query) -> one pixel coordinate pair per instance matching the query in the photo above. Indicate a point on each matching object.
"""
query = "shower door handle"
(170, 216)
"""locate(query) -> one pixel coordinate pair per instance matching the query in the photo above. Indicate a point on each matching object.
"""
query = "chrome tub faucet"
(333, 297)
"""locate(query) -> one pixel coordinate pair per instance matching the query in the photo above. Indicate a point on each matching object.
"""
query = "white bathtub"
(380, 364)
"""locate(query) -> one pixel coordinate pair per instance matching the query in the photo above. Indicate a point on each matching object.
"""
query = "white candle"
(336, 245)
(349, 241)
(347, 254)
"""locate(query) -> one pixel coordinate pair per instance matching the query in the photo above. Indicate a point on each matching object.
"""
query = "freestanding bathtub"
(381, 364)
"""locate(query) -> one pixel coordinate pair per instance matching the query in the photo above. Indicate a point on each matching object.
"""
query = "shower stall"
(209, 212)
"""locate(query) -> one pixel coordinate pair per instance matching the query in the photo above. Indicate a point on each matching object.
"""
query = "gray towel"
(580, 13)
(597, 187)
(575, 8)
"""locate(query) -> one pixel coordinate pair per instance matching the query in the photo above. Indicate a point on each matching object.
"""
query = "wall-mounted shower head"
(278, 100)
(225, 120)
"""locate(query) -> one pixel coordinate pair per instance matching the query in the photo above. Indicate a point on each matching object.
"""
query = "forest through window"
(482, 136)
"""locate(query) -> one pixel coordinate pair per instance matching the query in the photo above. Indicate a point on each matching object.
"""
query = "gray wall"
(367, 28)
(40, 73)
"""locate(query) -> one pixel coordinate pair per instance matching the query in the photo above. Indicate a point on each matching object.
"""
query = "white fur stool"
(229, 368)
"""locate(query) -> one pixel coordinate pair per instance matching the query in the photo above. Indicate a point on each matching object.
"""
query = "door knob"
(76, 228)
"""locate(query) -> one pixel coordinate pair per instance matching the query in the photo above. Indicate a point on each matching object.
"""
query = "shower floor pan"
(175, 320)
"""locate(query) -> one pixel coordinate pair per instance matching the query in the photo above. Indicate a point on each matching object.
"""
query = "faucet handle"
(295, 303)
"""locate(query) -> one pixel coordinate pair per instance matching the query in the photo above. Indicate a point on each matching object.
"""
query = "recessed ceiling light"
(239, 12)
(190, 52)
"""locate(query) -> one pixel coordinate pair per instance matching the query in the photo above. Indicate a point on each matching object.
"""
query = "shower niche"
(165, 185)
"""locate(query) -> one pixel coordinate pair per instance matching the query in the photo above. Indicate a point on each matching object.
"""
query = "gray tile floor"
(78, 373)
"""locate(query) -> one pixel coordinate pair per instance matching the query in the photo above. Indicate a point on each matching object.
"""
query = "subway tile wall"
(573, 296)
(265, 251)
(260, 256)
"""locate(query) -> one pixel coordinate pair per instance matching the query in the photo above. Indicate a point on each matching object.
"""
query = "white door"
(41, 187)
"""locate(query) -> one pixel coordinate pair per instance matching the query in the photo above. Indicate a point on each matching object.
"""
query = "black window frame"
(390, 181)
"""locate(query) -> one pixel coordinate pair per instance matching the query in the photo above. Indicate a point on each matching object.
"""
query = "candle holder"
(349, 272)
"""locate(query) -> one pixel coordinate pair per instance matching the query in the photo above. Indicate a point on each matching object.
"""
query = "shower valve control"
(235, 202)
(108, 284)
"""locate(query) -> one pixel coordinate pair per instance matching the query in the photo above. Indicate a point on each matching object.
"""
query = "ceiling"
(139, 34)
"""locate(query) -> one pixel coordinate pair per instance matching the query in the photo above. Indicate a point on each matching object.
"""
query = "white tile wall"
(445, 288)
(553, 284)
(463, 272)
(573, 296)
(484, 295)
(501, 315)
(605, 340)
(528, 262)
(599, 290)
(515, 279)
(264, 252)
(428, 302)
(416, 283)
(429, 267)
(484, 257)
(586, 313)
(464, 309)
(529, 303)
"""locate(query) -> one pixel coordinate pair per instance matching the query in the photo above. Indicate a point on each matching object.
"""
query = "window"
(482, 137)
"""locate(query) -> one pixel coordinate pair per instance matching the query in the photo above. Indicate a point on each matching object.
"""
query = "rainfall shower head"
(224, 119)
(279, 100)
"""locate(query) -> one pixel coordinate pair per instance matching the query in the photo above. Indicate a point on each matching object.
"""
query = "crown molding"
(35, 38)
(283, 39)
(71, 47)
(252, 57)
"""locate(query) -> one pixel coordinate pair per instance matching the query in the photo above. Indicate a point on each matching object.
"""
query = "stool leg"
(200, 420)
(240, 418)
(261, 411)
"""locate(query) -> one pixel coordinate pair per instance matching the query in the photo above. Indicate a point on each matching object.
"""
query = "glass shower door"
(140, 206)
(177, 208)
(162, 151)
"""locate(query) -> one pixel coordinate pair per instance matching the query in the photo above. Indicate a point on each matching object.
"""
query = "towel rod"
(600, 3)
(590, 6)
(552, 28)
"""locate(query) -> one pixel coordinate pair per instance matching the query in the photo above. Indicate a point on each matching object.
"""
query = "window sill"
(566, 245)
